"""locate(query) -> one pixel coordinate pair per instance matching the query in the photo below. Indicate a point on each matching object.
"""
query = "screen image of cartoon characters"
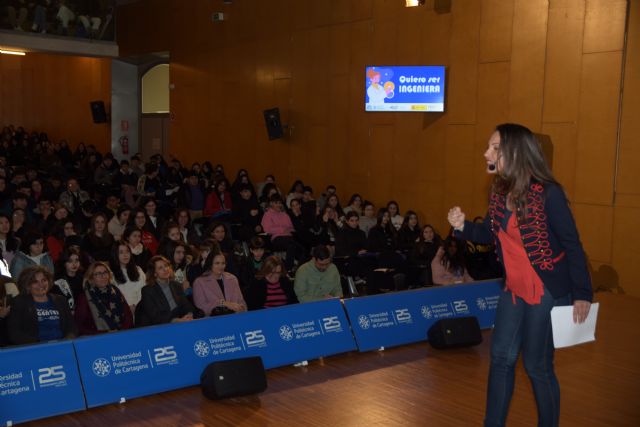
(375, 91)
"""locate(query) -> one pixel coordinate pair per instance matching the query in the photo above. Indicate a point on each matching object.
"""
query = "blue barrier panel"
(145, 361)
(39, 381)
(404, 317)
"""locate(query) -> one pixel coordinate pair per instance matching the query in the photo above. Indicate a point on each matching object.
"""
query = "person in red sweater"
(218, 204)
(101, 307)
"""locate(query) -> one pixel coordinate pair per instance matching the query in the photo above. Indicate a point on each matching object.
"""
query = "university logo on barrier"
(285, 332)
(201, 348)
(53, 376)
(165, 355)
(363, 322)
(403, 316)
(332, 324)
(101, 367)
(460, 307)
(255, 338)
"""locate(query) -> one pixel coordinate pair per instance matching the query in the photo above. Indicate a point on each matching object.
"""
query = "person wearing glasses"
(271, 287)
(101, 307)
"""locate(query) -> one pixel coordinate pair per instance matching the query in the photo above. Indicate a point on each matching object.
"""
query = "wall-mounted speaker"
(272, 121)
(98, 112)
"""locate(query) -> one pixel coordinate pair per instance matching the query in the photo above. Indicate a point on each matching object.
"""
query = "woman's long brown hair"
(523, 161)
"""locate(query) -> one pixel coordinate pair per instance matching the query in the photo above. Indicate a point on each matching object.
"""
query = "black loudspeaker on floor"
(231, 378)
(455, 332)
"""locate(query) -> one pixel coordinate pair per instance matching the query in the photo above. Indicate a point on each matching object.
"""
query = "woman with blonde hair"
(101, 307)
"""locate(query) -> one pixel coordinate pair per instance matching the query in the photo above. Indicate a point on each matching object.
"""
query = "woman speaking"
(536, 240)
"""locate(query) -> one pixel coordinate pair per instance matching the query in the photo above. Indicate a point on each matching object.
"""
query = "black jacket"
(350, 241)
(153, 308)
(22, 323)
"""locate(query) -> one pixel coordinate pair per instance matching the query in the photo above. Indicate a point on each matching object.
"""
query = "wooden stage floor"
(412, 385)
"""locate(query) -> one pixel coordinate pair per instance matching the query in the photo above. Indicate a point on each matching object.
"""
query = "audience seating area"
(123, 244)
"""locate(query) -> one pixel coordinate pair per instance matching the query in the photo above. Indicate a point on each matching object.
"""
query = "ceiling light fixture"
(413, 3)
(12, 52)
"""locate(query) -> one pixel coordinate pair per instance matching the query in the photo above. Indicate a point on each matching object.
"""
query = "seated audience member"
(421, 256)
(185, 226)
(409, 232)
(193, 195)
(68, 276)
(141, 255)
(5, 309)
(448, 266)
(163, 300)
(59, 232)
(73, 197)
(98, 241)
(44, 218)
(394, 214)
(153, 221)
(118, 223)
(242, 179)
(36, 314)
(32, 252)
(170, 234)
(368, 219)
(218, 204)
(216, 291)
(318, 278)
(8, 242)
(246, 210)
(19, 223)
(271, 287)
(278, 225)
(253, 263)
(355, 205)
(200, 253)
(351, 245)
(334, 203)
(101, 307)
(322, 201)
(178, 254)
(300, 224)
(129, 277)
(480, 259)
(138, 219)
(296, 192)
(125, 181)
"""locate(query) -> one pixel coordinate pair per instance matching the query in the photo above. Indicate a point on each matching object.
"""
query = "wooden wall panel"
(597, 128)
(461, 103)
(51, 93)
(563, 61)
(626, 251)
(380, 171)
(597, 240)
(495, 30)
(629, 165)
(604, 25)
(554, 66)
(460, 163)
(565, 141)
(527, 63)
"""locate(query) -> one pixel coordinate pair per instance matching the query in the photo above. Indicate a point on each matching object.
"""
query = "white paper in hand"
(567, 333)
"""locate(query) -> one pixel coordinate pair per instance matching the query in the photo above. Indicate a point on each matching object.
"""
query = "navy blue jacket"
(549, 236)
